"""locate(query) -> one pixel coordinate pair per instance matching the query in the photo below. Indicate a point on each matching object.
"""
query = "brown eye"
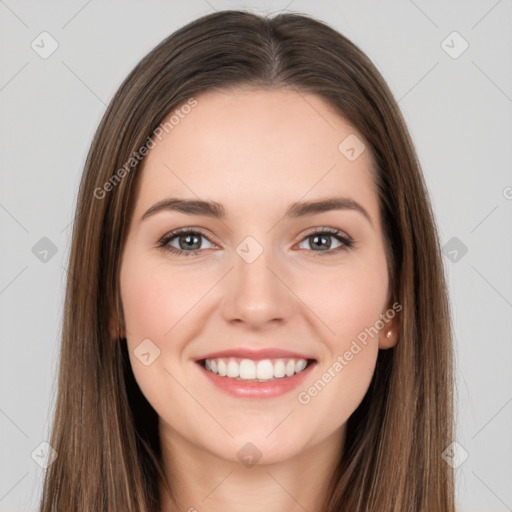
(321, 243)
(188, 242)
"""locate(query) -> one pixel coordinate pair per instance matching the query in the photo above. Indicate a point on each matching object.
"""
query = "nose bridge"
(256, 295)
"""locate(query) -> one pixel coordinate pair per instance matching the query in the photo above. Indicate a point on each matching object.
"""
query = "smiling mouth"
(248, 370)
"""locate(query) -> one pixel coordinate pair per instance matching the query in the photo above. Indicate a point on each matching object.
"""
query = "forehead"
(244, 147)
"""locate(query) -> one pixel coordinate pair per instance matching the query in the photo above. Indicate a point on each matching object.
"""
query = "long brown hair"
(104, 430)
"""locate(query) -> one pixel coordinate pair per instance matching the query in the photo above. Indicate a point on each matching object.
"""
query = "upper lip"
(247, 353)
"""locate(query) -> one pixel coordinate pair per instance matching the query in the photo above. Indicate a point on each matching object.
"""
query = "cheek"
(145, 305)
(154, 299)
(343, 376)
(159, 303)
(349, 299)
(338, 388)
(360, 301)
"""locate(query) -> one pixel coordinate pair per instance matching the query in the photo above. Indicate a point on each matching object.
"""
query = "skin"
(254, 151)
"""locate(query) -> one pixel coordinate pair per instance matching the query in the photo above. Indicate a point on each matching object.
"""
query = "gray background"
(458, 111)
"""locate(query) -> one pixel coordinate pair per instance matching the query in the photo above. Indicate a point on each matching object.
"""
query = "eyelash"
(346, 242)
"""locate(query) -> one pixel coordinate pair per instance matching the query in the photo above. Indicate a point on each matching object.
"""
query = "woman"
(210, 359)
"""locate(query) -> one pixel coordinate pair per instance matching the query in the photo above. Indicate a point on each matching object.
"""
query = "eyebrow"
(216, 210)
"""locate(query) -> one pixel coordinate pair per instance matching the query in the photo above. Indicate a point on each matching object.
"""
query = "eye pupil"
(321, 237)
(188, 243)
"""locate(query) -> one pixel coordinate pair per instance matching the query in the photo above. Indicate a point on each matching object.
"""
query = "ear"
(116, 331)
(388, 335)
(116, 324)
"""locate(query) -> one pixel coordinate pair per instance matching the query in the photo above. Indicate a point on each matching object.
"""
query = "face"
(312, 283)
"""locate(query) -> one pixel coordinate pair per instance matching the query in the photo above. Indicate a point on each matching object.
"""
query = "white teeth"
(265, 369)
(247, 369)
(279, 370)
(300, 365)
(222, 368)
(233, 369)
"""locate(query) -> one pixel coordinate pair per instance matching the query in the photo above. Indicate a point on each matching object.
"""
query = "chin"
(253, 449)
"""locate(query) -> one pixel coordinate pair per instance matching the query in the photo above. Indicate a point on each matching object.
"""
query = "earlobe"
(388, 338)
(116, 330)
(112, 328)
(116, 321)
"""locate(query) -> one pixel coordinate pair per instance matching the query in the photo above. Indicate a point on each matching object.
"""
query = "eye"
(321, 238)
(188, 241)
(185, 242)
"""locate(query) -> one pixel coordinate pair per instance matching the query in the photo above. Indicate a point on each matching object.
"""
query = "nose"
(256, 293)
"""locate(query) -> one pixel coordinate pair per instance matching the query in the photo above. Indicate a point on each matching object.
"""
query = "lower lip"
(248, 389)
